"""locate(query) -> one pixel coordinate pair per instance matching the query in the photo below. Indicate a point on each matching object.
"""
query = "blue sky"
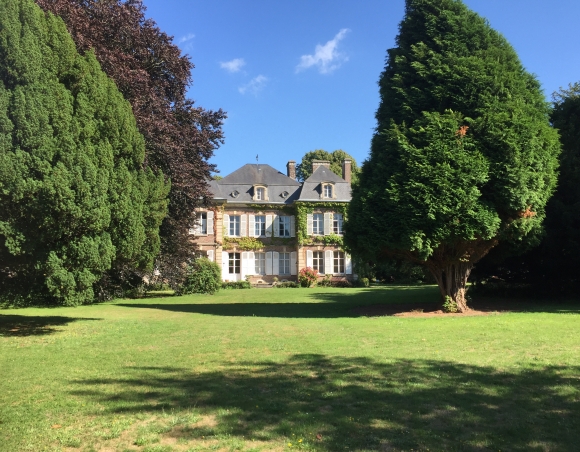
(302, 75)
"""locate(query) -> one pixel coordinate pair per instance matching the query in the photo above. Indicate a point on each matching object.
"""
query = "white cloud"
(326, 57)
(186, 38)
(254, 86)
(233, 66)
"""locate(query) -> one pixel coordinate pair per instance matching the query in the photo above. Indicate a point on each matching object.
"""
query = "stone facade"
(265, 226)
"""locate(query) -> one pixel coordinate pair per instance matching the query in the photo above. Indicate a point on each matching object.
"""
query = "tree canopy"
(463, 155)
(304, 168)
(75, 200)
(154, 77)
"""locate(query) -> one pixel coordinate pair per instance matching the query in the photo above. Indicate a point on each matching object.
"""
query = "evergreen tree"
(463, 156)
(304, 168)
(74, 198)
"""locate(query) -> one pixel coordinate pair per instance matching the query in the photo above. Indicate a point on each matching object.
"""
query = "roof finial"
(258, 162)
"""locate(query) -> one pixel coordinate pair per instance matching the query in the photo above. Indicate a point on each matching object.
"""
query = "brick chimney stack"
(347, 170)
(317, 163)
(291, 169)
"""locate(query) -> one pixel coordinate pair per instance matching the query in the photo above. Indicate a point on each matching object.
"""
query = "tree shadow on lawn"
(24, 325)
(334, 403)
(358, 303)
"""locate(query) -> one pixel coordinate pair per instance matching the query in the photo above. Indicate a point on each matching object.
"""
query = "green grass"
(287, 369)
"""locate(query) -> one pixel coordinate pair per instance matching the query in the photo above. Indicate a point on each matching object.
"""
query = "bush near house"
(203, 276)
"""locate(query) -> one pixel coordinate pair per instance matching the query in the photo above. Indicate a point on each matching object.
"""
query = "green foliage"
(236, 285)
(286, 285)
(203, 276)
(307, 277)
(75, 200)
(304, 168)
(243, 243)
(449, 305)
(463, 156)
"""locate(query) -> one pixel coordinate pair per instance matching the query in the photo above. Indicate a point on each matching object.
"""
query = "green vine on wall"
(280, 207)
(242, 243)
(302, 211)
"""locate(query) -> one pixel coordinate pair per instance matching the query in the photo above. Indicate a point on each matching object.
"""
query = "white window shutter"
(197, 224)
(269, 226)
(244, 263)
(347, 264)
(276, 226)
(327, 223)
(328, 263)
(226, 225)
(191, 231)
(275, 263)
(269, 263)
(310, 224)
(210, 255)
(243, 225)
(251, 263)
(309, 258)
(225, 263)
(292, 226)
(251, 225)
(210, 222)
(293, 270)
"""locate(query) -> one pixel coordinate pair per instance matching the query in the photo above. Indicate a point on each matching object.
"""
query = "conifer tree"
(463, 155)
(74, 197)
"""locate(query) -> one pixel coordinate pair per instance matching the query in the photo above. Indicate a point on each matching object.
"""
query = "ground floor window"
(284, 263)
(318, 261)
(234, 262)
(260, 267)
(338, 262)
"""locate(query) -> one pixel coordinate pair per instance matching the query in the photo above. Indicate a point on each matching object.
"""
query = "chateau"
(265, 225)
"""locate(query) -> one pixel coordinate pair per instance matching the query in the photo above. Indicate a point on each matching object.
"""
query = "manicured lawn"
(286, 369)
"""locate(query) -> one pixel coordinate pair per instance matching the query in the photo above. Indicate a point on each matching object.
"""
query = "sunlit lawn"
(285, 369)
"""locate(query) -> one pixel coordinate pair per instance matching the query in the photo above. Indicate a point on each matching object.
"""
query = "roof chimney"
(291, 169)
(347, 170)
(317, 163)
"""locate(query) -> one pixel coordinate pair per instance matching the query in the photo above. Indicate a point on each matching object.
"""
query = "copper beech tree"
(463, 156)
(153, 75)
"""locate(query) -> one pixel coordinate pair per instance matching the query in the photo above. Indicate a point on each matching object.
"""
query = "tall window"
(234, 225)
(234, 263)
(338, 262)
(318, 224)
(260, 264)
(337, 223)
(284, 263)
(260, 228)
(284, 226)
(202, 218)
(260, 194)
(327, 191)
(318, 261)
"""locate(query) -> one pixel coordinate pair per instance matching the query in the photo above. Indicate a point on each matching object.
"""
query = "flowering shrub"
(307, 277)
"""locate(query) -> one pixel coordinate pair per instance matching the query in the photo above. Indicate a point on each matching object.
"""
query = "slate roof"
(311, 188)
(281, 188)
(237, 187)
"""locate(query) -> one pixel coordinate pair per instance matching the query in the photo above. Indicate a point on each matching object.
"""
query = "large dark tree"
(463, 156)
(154, 77)
(304, 168)
(75, 200)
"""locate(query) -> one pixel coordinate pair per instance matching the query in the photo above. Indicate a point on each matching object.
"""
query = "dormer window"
(260, 193)
(328, 191)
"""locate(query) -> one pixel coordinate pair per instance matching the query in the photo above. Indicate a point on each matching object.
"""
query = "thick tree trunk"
(452, 281)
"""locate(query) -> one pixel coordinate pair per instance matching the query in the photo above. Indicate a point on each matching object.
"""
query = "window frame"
(234, 262)
(235, 223)
(319, 223)
(259, 224)
(260, 263)
(337, 223)
(284, 225)
(338, 261)
(284, 264)
(318, 262)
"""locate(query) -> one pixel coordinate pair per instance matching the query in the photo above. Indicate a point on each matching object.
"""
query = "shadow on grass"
(23, 325)
(360, 404)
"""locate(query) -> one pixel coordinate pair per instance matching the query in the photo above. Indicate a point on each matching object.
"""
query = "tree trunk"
(452, 281)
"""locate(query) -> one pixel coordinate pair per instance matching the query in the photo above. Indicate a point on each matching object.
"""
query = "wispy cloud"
(254, 86)
(186, 38)
(233, 66)
(326, 57)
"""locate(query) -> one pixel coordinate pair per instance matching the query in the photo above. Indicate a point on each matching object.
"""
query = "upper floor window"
(260, 226)
(328, 191)
(260, 193)
(337, 223)
(318, 224)
(202, 219)
(234, 225)
(284, 226)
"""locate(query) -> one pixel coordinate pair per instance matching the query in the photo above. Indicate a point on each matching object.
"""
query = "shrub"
(307, 277)
(203, 276)
(326, 282)
(236, 285)
(343, 283)
(291, 284)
